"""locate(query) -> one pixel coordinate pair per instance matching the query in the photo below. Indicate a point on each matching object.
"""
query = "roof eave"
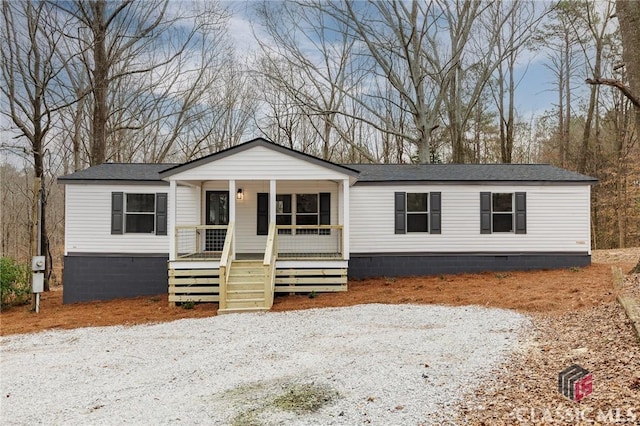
(475, 182)
(73, 181)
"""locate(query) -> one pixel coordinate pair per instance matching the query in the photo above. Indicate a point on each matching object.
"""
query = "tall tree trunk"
(586, 134)
(561, 124)
(628, 13)
(326, 137)
(597, 23)
(100, 83)
(508, 149)
(27, 71)
(477, 134)
(77, 135)
(567, 86)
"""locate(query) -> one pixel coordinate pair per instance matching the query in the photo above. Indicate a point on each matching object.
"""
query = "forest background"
(87, 82)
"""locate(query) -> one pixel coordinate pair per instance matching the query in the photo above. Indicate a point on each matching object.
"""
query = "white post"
(199, 214)
(172, 219)
(340, 203)
(345, 218)
(272, 201)
(232, 214)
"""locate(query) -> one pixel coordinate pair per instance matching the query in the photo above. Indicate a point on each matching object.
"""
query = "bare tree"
(628, 14)
(144, 69)
(597, 28)
(629, 18)
(521, 19)
(561, 40)
(29, 69)
(16, 190)
(395, 41)
(435, 59)
(308, 56)
(483, 37)
(228, 112)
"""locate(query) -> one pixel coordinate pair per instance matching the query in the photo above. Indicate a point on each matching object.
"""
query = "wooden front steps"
(245, 288)
(199, 281)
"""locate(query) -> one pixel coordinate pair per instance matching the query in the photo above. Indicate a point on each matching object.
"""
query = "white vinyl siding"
(558, 219)
(88, 219)
(259, 163)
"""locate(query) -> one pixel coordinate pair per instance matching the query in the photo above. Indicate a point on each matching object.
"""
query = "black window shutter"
(325, 208)
(117, 213)
(485, 212)
(400, 211)
(435, 213)
(263, 213)
(521, 212)
(161, 213)
(325, 212)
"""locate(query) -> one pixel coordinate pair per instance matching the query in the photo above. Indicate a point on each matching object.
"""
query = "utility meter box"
(37, 263)
(38, 282)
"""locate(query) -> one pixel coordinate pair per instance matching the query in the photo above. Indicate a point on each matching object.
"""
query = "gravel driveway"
(377, 364)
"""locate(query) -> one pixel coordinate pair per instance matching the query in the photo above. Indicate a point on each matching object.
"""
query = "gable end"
(254, 143)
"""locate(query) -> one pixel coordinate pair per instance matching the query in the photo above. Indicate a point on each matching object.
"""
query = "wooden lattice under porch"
(199, 281)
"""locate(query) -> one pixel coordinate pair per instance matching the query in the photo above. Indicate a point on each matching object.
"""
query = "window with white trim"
(284, 213)
(502, 212)
(296, 209)
(417, 212)
(307, 212)
(140, 213)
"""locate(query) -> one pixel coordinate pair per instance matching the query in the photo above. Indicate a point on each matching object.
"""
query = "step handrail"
(269, 263)
(225, 267)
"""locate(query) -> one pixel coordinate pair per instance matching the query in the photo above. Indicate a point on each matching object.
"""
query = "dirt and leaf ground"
(574, 313)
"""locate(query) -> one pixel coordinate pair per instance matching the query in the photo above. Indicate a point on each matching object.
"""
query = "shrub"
(15, 288)
(188, 305)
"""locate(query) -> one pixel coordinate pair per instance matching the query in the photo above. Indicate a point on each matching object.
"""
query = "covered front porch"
(253, 220)
(311, 217)
(249, 245)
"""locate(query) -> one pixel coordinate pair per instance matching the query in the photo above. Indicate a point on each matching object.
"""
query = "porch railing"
(206, 242)
(225, 266)
(200, 241)
(269, 262)
(310, 241)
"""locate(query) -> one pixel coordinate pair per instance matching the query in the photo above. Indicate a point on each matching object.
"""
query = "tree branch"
(635, 100)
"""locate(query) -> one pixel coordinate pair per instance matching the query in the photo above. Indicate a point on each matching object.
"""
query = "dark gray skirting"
(102, 277)
(368, 265)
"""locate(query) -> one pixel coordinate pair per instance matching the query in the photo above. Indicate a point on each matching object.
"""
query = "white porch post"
(172, 220)
(272, 201)
(345, 217)
(232, 214)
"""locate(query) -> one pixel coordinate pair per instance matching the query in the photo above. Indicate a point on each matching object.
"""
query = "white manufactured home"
(239, 225)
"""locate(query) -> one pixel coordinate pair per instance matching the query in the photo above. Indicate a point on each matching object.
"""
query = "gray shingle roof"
(466, 173)
(369, 173)
(118, 172)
